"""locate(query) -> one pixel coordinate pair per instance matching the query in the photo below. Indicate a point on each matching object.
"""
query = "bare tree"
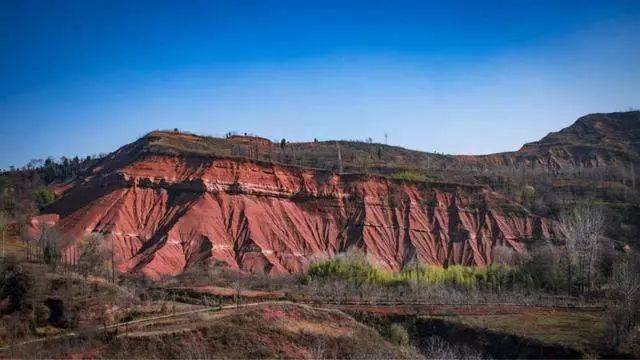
(4, 220)
(437, 347)
(67, 252)
(626, 279)
(237, 290)
(93, 255)
(317, 349)
(42, 237)
(582, 227)
(111, 253)
(503, 255)
(49, 240)
(624, 314)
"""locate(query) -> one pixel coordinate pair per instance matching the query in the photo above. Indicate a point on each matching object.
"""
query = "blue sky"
(85, 77)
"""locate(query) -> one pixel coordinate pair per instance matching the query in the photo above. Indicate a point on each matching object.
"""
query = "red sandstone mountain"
(168, 212)
(171, 200)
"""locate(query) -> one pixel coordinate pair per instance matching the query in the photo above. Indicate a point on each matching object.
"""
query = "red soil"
(166, 213)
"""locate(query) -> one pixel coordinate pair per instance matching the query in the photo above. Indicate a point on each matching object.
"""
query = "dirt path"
(150, 319)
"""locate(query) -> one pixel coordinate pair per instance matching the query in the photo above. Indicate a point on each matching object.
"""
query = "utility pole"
(339, 158)
(386, 139)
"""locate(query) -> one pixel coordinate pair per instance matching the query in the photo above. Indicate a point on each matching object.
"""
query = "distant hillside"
(594, 140)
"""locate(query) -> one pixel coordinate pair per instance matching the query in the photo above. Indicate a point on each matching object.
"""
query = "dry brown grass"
(581, 330)
(265, 331)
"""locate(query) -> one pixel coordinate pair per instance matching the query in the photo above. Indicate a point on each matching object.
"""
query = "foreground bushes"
(356, 270)
(14, 285)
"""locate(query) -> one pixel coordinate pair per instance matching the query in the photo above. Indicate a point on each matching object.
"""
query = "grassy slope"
(266, 331)
(324, 154)
(581, 330)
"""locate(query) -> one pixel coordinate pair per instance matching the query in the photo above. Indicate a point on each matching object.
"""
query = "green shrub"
(546, 269)
(409, 176)
(351, 268)
(397, 334)
(43, 196)
(528, 193)
(359, 271)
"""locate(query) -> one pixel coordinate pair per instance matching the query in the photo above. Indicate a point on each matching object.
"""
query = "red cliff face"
(166, 213)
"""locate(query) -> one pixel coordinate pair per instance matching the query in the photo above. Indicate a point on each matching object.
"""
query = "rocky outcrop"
(165, 213)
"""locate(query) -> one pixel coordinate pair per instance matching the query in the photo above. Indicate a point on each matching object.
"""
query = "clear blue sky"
(84, 77)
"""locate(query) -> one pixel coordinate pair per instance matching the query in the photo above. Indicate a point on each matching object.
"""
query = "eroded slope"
(165, 213)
